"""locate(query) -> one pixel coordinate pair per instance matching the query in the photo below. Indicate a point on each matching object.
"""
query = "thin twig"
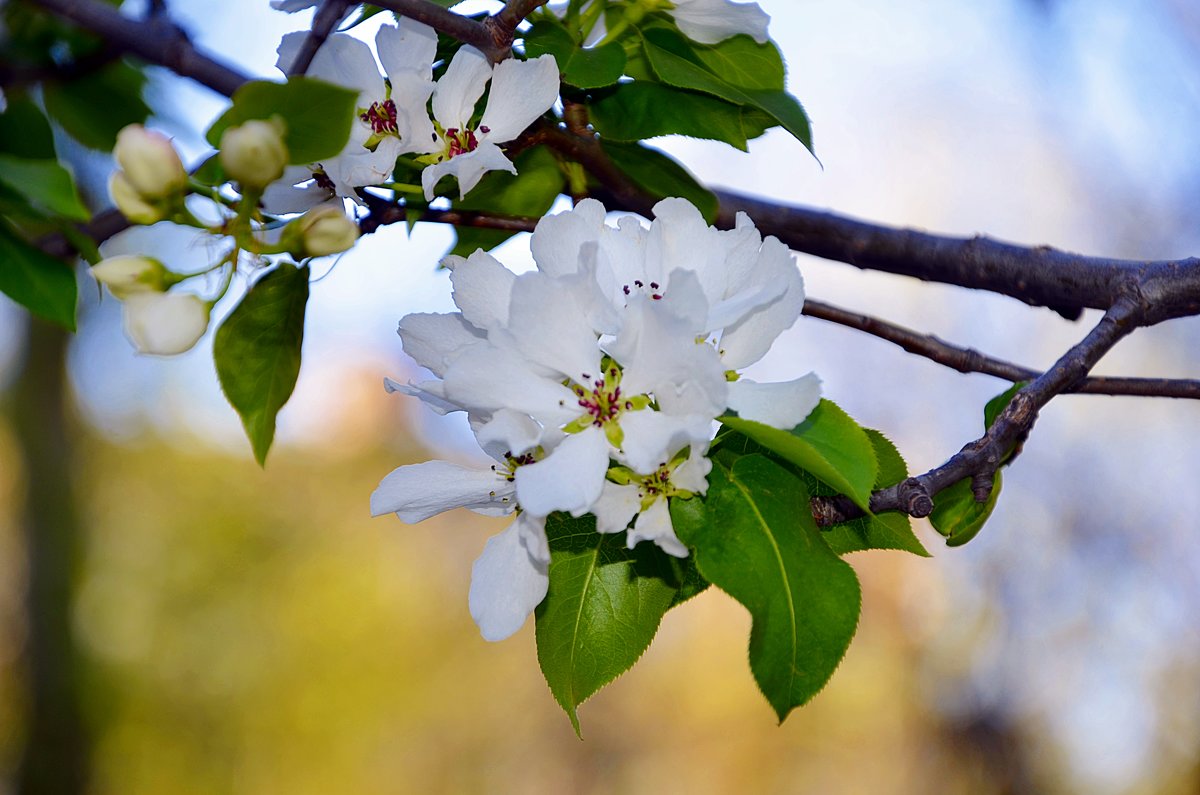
(981, 459)
(969, 360)
(328, 15)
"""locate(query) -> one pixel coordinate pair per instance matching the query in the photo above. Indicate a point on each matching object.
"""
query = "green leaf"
(602, 609)
(757, 541)
(530, 192)
(257, 351)
(639, 110)
(211, 172)
(677, 64)
(891, 530)
(957, 516)
(660, 175)
(691, 581)
(39, 282)
(44, 184)
(25, 132)
(829, 444)
(743, 62)
(94, 108)
(580, 67)
(318, 115)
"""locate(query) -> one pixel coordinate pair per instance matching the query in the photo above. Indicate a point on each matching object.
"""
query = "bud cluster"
(151, 181)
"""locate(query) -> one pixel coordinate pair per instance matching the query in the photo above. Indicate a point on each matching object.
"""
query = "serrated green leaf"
(31, 277)
(93, 108)
(47, 186)
(757, 541)
(744, 63)
(639, 110)
(602, 609)
(676, 63)
(257, 351)
(829, 444)
(581, 67)
(661, 176)
(691, 581)
(25, 132)
(957, 516)
(318, 115)
(892, 530)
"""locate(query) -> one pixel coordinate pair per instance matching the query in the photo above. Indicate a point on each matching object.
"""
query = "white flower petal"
(418, 491)
(506, 583)
(343, 60)
(558, 239)
(431, 393)
(569, 479)
(652, 438)
(434, 340)
(654, 524)
(712, 21)
(616, 507)
(460, 88)
(552, 328)
(783, 404)
(410, 92)
(407, 46)
(286, 196)
(749, 339)
(468, 168)
(692, 474)
(521, 92)
(508, 432)
(482, 289)
(484, 378)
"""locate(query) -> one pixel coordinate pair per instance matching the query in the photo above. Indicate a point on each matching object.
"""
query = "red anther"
(483, 128)
(656, 297)
(653, 285)
(626, 289)
(629, 405)
(638, 282)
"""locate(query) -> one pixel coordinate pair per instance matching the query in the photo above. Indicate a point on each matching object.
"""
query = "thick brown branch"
(1040, 276)
(968, 360)
(328, 15)
(503, 25)
(156, 40)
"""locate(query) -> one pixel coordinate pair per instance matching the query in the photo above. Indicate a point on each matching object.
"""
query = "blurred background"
(193, 624)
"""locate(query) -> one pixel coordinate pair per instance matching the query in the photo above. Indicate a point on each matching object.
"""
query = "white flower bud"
(323, 230)
(150, 162)
(254, 153)
(128, 275)
(130, 202)
(165, 324)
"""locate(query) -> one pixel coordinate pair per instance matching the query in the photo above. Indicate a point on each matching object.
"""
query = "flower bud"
(324, 229)
(150, 162)
(254, 153)
(128, 275)
(164, 324)
(130, 202)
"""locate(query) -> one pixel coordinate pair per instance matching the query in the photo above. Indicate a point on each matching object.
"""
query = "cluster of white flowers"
(394, 117)
(594, 382)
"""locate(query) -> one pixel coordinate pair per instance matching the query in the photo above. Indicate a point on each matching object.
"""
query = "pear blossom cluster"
(593, 382)
(394, 117)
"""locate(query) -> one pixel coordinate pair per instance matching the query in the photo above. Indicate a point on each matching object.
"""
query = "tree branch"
(968, 360)
(156, 40)
(982, 458)
(457, 26)
(328, 15)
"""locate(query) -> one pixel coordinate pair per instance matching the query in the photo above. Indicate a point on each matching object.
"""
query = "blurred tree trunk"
(55, 757)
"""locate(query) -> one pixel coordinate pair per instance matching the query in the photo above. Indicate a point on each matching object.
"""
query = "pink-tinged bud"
(150, 162)
(129, 275)
(131, 203)
(254, 153)
(323, 230)
(165, 324)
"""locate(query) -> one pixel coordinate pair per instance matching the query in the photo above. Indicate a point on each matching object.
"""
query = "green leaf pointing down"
(603, 607)
(755, 539)
(257, 351)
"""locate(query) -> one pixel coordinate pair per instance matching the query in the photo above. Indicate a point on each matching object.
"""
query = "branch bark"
(328, 15)
(156, 40)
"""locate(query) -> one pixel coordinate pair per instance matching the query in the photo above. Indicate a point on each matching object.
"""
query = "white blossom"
(165, 324)
(712, 21)
(391, 117)
(521, 91)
